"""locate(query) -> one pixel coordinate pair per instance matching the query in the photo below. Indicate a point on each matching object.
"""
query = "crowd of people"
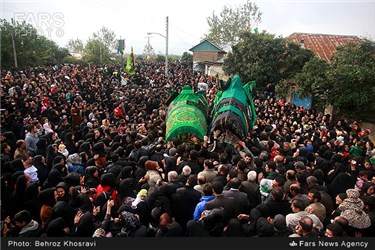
(83, 154)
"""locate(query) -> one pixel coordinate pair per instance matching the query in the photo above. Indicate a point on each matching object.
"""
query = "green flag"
(120, 46)
(130, 63)
(256, 30)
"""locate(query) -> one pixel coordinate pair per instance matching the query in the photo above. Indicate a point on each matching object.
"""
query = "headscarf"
(85, 226)
(56, 228)
(85, 147)
(352, 210)
(47, 197)
(83, 202)
(90, 179)
(42, 168)
(62, 209)
(66, 197)
(74, 159)
(126, 188)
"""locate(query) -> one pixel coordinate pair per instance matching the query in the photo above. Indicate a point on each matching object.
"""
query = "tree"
(264, 58)
(106, 37)
(61, 54)
(75, 46)
(31, 48)
(347, 83)
(352, 79)
(257, 58)
(103, 41)
(294, 59)
(160, 58)
(187, 59)
(96, 52)
(313, 81)
(225, 29)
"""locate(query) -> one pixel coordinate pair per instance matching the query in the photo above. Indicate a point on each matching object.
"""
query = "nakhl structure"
(186, 115)
(233, 112)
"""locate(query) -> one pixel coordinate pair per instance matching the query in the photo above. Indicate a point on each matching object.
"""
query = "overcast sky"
(62, 20)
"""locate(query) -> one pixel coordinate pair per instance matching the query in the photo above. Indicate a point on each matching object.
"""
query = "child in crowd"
(30, 170)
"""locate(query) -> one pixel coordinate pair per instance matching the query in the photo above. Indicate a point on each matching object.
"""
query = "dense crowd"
(83, 154)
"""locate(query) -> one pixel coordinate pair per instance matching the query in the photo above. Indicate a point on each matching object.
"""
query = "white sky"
(62, 20)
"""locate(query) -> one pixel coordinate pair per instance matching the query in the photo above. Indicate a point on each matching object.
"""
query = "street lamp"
(166, 44)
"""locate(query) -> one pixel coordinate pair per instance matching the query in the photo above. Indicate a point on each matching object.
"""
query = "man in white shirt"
(298, 207)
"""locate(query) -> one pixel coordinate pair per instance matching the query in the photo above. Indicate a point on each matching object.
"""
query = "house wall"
(205, 56)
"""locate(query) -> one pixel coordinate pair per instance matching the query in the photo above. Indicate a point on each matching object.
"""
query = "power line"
(179, 37)
(187, 33)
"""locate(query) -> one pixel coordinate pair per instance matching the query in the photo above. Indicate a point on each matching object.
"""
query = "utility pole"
(166, 46)
(101, 54)
(166, 43)
(14, 49)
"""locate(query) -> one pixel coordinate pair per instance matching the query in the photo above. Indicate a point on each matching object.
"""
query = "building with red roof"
(323, 45)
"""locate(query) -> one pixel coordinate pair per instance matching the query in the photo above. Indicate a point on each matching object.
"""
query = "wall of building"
(205, 56)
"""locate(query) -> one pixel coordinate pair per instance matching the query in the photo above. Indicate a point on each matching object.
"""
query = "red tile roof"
(323, 45)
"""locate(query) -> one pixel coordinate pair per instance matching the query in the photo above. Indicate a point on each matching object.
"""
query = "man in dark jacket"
(251, 188)
(277, 204)
(192, 162)
(185, 200)
(28, 226)
(137, 152)
(221, 201)
(240, 198)
(222, 172)
(170, 161)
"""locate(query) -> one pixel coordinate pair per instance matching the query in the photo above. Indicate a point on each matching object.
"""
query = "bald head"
(295, 189)
(290, 174)
(279, 160)
(201, 179)
(306, 223)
